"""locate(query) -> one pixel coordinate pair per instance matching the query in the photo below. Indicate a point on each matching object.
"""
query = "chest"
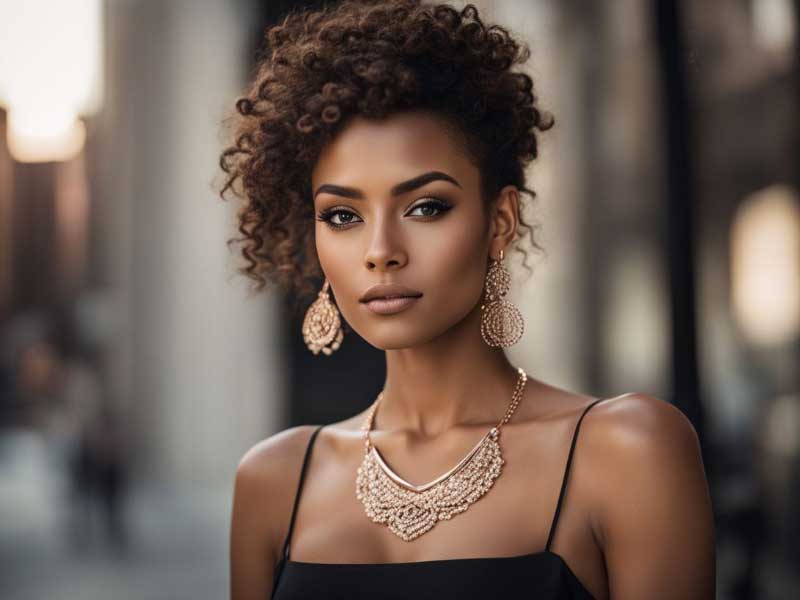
(511, 518)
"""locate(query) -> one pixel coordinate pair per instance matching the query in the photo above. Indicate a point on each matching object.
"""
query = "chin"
(399, 335)
(393, 341)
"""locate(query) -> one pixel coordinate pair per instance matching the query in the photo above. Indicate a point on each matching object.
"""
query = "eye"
(340, 218)
(435, 204)
(329, 216)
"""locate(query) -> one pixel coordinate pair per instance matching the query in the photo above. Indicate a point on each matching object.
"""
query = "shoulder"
(267, 475)
(644, 470)
(263, 497)
(640, 422)
(636, 436)
(650, 500)
(279, 457)
(275, 453)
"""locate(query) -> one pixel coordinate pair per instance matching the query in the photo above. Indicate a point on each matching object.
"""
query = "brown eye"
(346, 216)
(329, 216)
(432, 208)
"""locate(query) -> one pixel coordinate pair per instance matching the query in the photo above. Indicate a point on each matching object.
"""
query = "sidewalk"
(178, 538)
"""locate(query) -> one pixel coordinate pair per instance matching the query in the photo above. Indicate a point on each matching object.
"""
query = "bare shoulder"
(630, 435)
(275, 453)
(266, 477)
(264, 490)
(645, 481)
(277, 459)
(636, 421)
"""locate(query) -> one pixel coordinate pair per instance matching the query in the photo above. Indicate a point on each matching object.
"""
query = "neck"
(456, 379)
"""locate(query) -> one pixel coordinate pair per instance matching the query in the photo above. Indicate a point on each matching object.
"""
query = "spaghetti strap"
(285, 553)
(566, 475)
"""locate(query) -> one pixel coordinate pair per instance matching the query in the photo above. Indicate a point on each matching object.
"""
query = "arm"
(654, 514)
(265, 484)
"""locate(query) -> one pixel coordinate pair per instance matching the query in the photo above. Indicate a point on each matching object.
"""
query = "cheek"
(341, 257)
(337, 257)
(454, 260)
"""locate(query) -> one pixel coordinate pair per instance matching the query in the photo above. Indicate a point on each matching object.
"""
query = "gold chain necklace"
(410, 510)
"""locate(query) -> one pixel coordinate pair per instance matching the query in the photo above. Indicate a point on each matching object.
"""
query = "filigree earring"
(501, 322)
(322, 326)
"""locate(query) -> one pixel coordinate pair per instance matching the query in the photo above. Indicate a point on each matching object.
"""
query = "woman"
(382, 145)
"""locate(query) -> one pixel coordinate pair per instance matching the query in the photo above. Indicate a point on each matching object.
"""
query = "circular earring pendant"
(322, 326)
(502, 324)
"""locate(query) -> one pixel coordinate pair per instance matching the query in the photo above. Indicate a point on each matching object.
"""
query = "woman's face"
(402, 203)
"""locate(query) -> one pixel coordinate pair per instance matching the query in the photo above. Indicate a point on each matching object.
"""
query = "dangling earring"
(322, 324)
(501, 322)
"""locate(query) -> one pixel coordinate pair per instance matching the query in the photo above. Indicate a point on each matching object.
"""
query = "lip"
(387, 292)
(388, 299)
(390, 306)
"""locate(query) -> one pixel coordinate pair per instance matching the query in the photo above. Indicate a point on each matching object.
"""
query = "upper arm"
(654, 511)
(263, 493)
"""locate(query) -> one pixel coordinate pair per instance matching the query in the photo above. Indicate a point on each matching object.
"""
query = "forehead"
(391, 149)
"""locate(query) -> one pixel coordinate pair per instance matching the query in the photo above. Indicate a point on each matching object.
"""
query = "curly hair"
(319, 67)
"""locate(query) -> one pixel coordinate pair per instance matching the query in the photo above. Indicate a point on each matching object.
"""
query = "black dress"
(542, 575)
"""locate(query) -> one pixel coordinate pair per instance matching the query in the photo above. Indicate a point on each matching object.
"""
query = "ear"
(504, 220)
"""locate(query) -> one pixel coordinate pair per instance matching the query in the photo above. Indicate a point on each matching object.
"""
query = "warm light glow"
(765, 269)
(774, 24)
(50, 73)
(39, 136)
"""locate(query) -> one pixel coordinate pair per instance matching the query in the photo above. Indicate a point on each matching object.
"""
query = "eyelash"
(327, 214)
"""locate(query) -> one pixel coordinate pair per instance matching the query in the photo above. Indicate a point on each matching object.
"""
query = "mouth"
(388, 299)
(390, 305)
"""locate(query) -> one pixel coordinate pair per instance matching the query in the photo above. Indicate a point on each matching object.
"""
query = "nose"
(385, 251)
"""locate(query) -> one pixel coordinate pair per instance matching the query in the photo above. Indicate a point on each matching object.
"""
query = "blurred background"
(136, 369)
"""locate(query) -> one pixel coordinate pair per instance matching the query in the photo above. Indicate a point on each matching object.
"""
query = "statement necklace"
(410, 510)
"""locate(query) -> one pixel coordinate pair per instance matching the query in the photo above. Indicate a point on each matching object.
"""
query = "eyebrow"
(400, 188)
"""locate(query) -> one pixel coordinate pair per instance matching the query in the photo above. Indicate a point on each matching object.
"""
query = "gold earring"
(501, 322)
(322, 325)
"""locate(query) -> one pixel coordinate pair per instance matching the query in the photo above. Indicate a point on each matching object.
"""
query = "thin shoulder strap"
(299, 490)
(566, 474)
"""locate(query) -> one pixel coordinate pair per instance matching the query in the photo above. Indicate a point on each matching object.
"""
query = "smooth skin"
(637, 518)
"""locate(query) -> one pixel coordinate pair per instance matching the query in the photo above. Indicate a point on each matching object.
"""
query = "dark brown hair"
(373, 58)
